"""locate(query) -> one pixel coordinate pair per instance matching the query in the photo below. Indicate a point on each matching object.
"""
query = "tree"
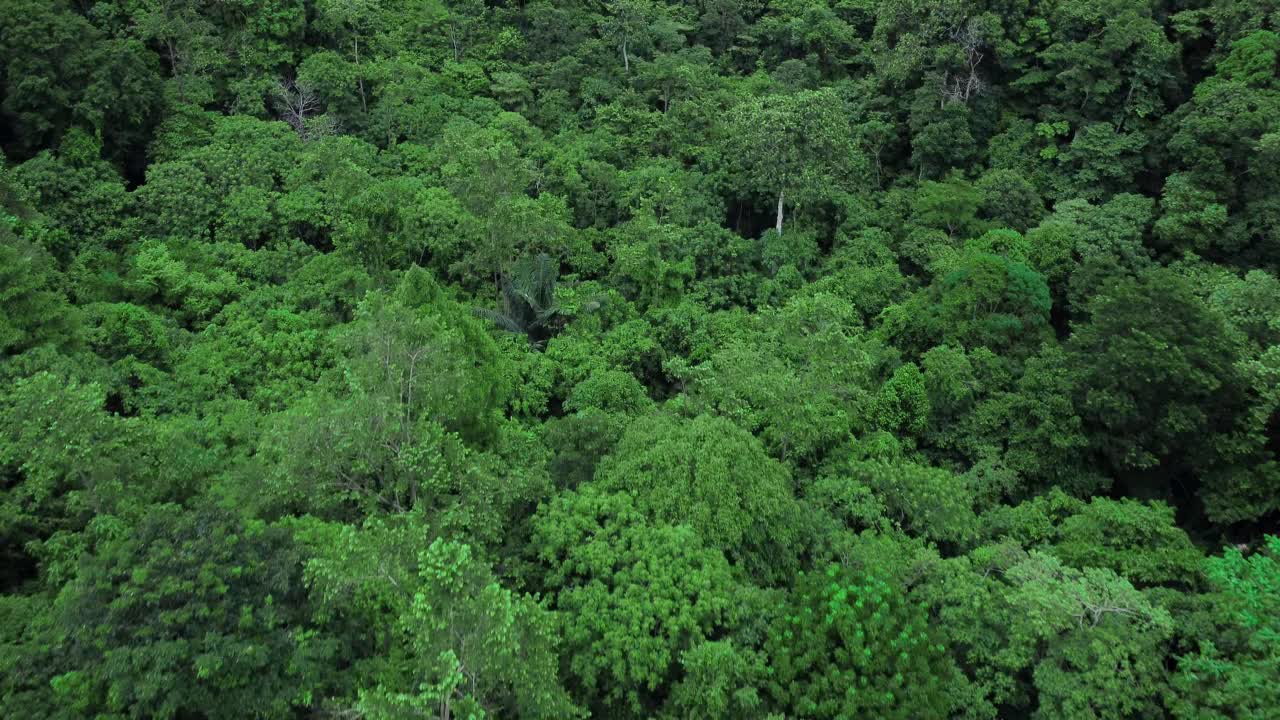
(36, 313)
(634, 595)
(300, 108)
(1051, 640)
(528, 299)
(921, 500)
(951, 206)
(62, 458)
(188, 43)
(979, 300)
(647, 266)
(852, 644)
(1101, 161)
(1081, 247)
(488, 171)
(714, 477)
(791, 408)
(351, 21)
(1045, 438)
(44, 48)
(1234, 675)
(77, 193)
(798, 147)
(1222, 133)
(122, 99)
(265, 353)
(410, 426)
(1104, 59)
(457, 643)
(190, 611)
(638, 23)
(1096, 641)
(1158, 375)
(1139, 541)
(1009, 200)
(673, 77)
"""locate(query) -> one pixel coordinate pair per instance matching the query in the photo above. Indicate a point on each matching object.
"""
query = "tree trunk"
(626, 61)
(364, 103)
(778, 227)
(173, 68)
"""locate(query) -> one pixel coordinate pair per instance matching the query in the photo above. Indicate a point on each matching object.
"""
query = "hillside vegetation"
(725, 359)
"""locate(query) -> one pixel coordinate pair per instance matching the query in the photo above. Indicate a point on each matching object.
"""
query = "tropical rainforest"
(725, 359)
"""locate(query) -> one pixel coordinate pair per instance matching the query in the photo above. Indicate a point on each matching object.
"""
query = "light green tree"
(796, 148)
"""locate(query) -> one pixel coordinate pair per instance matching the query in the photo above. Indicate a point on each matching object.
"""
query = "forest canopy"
(381, 359)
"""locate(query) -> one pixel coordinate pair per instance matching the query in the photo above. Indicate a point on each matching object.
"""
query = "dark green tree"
(528, 299)
(190, 612)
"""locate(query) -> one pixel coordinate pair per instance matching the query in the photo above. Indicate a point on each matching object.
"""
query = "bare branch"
(967, 84)
(300, 107)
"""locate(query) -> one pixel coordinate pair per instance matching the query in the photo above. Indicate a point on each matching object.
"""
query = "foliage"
(634, 595)
(850, 645)
(528, 299)
(450, 358)
(1236, 673)
(714, 477)
(189, 607)
(462, 642)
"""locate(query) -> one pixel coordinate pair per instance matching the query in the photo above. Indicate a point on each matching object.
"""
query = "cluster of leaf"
(730, 359)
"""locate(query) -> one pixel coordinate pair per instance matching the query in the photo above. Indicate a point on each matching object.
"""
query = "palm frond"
(506, 322)
(527, 295)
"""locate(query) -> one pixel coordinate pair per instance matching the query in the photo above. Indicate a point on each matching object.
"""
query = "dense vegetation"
(710, 359)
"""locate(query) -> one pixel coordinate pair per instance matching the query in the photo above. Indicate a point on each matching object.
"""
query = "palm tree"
(528, 299)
